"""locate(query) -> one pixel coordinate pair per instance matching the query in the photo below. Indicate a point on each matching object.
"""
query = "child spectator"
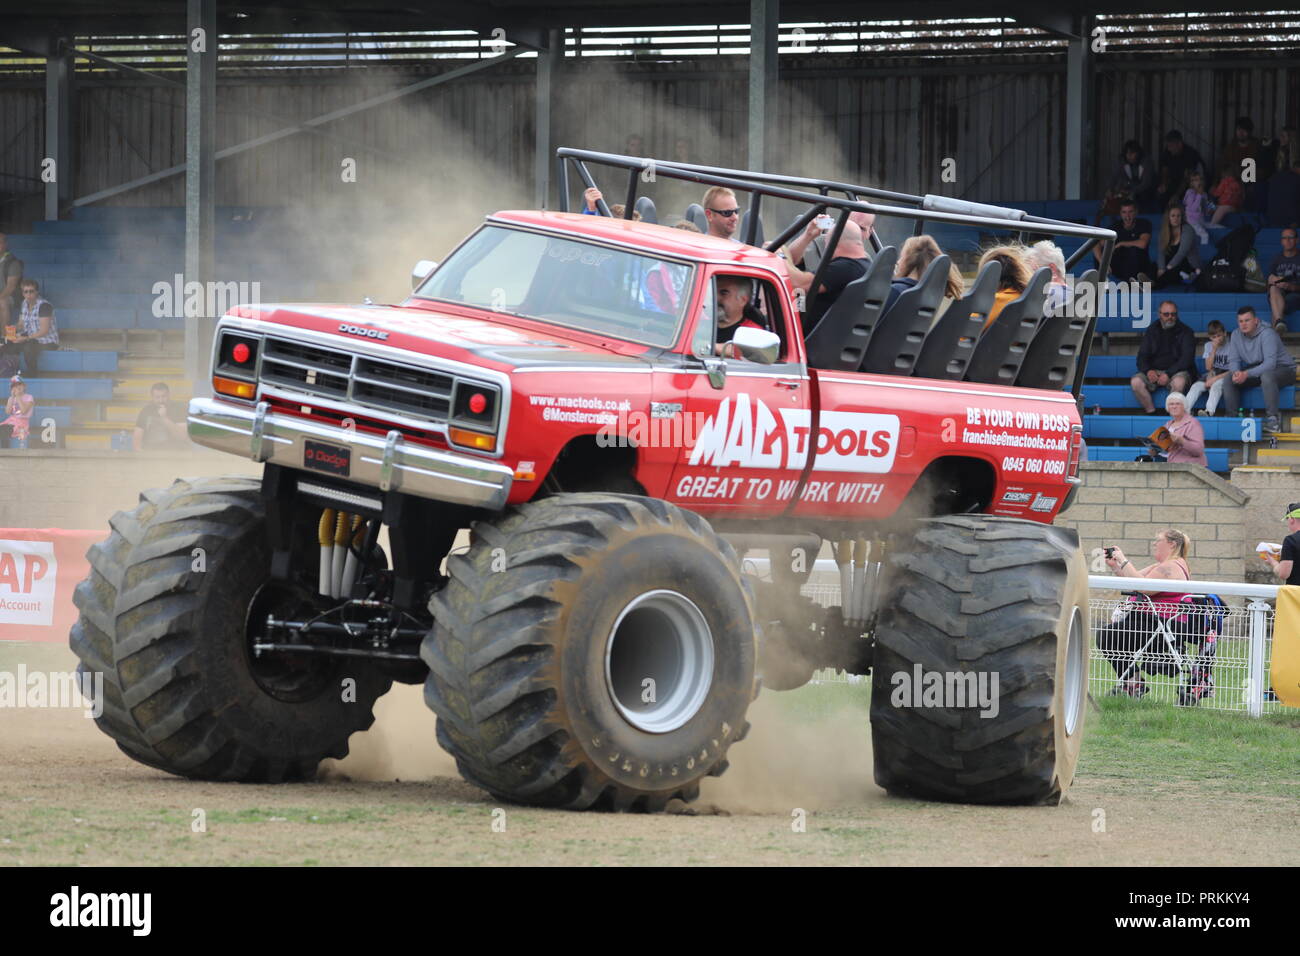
(1217, 366)
(18, 410)
(1229, 195)
(1198, 206)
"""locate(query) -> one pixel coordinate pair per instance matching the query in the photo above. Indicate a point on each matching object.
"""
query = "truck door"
(745, 437)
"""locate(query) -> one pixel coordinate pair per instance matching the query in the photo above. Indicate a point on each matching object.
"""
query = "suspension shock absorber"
(325, 535)
(351, 563)
(342, 534)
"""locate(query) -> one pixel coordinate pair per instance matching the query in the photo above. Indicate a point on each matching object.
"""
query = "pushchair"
(1194, 618)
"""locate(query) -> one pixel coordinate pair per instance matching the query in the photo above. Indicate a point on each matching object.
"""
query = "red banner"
(39, 568)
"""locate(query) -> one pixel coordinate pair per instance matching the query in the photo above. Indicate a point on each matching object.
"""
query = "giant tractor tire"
(592, 651)
(1000, 599)
(170, 628)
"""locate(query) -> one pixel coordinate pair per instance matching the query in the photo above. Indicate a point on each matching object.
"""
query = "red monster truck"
(557, 386)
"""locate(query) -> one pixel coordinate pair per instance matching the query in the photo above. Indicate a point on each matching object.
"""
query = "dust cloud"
(792, 761)
(400, 745)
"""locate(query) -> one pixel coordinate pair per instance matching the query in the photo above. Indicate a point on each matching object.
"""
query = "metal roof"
(520, 17)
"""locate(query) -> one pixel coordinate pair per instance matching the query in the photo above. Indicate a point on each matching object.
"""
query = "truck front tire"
(165, 617)
(1000, 599)
(592, 651)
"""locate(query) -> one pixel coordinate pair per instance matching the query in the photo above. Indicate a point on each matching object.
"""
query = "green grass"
(1148, 741)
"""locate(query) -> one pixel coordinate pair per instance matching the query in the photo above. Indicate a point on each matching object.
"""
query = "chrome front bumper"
(389, 464)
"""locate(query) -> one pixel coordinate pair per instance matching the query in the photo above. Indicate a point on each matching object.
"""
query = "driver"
(735, 311)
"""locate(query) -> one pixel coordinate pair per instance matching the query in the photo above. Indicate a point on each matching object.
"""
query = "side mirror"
(757, 345)
(421, 271)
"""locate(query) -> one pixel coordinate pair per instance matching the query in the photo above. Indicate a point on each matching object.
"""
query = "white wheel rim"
(659, 661)
(1075, 678)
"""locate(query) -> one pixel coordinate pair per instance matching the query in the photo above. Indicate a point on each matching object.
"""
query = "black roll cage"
(827, 196)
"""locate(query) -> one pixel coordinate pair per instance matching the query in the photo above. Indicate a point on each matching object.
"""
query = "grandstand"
(99, 269)
(1025, 103)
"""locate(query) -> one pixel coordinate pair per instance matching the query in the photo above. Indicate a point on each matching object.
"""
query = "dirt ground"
(69, 796)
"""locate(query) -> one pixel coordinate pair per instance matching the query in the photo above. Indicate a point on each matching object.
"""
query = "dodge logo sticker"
(367, 333)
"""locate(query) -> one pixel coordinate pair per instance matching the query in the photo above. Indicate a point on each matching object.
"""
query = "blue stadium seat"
(71, 389)
(1121, 396)
(61, 415)
(1126, 427)
(75, 361)
(1217, 458)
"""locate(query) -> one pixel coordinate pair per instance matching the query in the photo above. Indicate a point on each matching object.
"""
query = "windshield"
(575, 284)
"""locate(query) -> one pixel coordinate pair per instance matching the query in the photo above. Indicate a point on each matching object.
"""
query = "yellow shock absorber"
(351, 564)
(325, 535)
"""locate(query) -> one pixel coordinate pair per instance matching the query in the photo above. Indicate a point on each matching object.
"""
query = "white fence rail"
(1213, 658)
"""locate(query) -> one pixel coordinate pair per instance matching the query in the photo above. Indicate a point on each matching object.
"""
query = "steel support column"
(200, 174)
(764, 20)
(548, 61)
(1078, 112)
(58, 133)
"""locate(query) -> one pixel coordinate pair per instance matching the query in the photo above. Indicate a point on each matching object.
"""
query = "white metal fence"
(1189, 653)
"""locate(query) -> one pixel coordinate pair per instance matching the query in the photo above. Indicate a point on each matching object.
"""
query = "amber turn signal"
(228, 386)
(469, 439)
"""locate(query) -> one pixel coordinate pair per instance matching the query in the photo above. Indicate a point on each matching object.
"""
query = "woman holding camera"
(1121, 640)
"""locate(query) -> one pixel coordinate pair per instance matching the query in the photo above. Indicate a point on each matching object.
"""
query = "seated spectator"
(1130, 258)
(161, 423)
(1284, 280)
(1242, 147)
(722, 212)
(1275, 155)
(1015, 277)
(1197, 206)
(848, 262)
(735, 295)
(36, 329)
(1217, 367)
(593, 195)
(1258, 357)
(1166, 357)
(1229, 196)
(1178, 255)
(11, 275)
(1283, 206)
(1120, 641)
(913, 259)
(1133, 178)
(1177, 162)
(18, 414)
(1186, 436)
(1046, 254)
(687, 226)
(866, 221)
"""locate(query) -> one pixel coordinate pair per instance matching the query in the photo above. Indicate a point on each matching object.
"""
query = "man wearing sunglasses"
(1166, 358)
(722, 212)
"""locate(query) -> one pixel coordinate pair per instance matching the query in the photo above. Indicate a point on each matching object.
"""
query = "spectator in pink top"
(1185, 432)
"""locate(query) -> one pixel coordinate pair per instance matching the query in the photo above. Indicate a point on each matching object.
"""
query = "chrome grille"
(330, 373)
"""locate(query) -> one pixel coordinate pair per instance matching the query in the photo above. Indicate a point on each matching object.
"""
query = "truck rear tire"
(997, 597)
(592, 651)
(168, 627)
